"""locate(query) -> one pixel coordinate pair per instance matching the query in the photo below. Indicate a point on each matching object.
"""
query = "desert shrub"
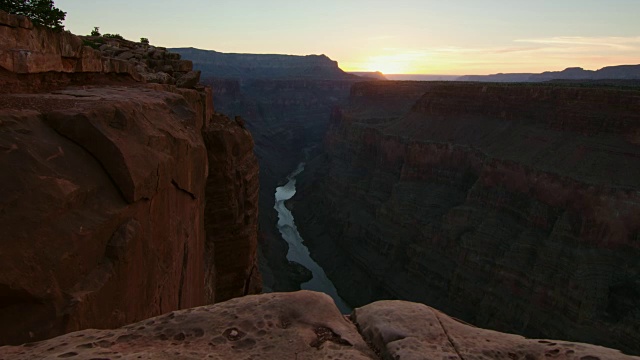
(113, 36)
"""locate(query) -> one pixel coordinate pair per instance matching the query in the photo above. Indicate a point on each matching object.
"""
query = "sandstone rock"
(189, 80)
(157, 78)
(181, 65)
(404, 330)
(231, 230)
(125, 55)
(25, 49)
(302, 325)
(102, 211)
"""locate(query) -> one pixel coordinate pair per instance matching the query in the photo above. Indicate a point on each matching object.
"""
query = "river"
(298, 252)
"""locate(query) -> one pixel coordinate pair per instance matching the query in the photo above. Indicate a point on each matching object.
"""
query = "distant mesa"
(422, 77)
(264, 66)
(376, 75)
(620, 72)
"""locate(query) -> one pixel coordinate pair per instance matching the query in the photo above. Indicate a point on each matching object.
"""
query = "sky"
(454, 37)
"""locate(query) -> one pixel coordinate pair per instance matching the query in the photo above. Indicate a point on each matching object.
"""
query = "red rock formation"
(304, 325)
(102, 200)
(102, 209)
(231, 211)
(512, 207)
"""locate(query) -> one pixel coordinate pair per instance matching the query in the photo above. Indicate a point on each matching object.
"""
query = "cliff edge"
(304, 325)
(104, 200)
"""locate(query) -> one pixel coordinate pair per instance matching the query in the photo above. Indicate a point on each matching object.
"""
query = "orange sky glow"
(456, 37)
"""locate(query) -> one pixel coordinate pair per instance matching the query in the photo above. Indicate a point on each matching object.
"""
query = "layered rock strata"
(515, 208)
(61, 58)
(104, 185)
(303, 325)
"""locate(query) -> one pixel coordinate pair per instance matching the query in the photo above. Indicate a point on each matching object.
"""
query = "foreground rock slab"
(302, 325)
(405, 330)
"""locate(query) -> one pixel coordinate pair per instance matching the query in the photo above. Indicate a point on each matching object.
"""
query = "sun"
(402, 63)
(387, 67)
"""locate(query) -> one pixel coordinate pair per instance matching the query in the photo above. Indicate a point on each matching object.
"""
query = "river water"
(298, 252)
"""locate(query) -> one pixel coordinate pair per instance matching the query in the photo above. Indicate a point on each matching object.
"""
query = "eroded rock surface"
(303, 325)
(404, 330)
(36, 58)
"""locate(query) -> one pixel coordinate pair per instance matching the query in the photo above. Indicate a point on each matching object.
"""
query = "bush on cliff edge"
(41, 12)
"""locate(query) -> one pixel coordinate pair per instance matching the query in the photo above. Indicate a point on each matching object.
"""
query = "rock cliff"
(264, 66)
(105, 197)
(303, 325)
(513, 207)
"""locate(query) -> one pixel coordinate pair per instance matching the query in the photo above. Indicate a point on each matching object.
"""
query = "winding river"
(298, 252)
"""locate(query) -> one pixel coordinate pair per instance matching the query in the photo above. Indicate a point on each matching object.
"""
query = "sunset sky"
(454, 37)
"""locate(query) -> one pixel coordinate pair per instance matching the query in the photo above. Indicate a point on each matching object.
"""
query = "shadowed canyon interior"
(513, 207)
(137, 219)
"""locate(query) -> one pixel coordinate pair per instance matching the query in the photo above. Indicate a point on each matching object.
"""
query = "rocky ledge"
(36, 58)
(303, 325)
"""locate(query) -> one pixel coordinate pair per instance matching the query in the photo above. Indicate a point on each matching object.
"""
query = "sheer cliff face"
(103, 191)
(512, 207)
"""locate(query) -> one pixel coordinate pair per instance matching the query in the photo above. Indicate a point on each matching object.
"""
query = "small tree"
(113, 36)
(95, 31)
(41, 12)
(144, 41)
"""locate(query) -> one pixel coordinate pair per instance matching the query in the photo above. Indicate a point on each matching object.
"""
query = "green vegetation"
(113, 36)
(96, 43)
(41, 12)
(95, 31)
(144, 41)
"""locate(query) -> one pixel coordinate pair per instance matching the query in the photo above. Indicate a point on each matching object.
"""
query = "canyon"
(285, 102)
(512, 207)
(129, 209)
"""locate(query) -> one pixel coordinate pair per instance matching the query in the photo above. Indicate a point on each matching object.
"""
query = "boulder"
(189, 80)
(405, 330)
(302, 325)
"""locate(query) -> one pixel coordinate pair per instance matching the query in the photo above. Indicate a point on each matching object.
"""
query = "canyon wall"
(263, 66)
(285, 102)
(513, 207)
(105, 195)
(630, 73)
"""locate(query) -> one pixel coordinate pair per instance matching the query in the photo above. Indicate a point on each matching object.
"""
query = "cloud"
(614, 42)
